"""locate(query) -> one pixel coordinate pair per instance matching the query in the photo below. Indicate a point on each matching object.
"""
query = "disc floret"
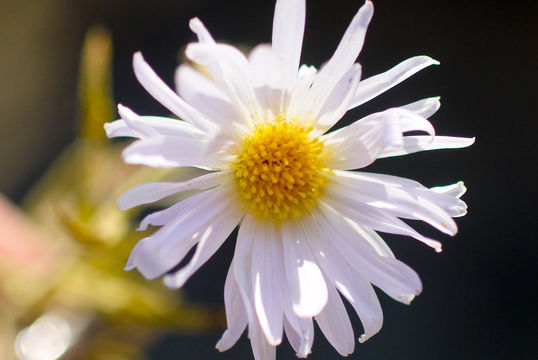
(280, 170)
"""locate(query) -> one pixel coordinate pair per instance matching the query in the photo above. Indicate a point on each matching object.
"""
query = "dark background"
(479, 298)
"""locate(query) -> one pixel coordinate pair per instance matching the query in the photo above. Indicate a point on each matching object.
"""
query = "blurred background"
(479, 298)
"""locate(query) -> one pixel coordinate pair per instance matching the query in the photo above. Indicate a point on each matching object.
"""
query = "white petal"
(340, 63)
(301, 341)
(261, 349)
(373, 238)
(403, 203)
(447, 198)
(296, 98)
(307, 71)
(288, 31)
(168, 246)
(266, 279)
(351, 44)
(375, 219)
(360, 143)
(202, 93)
(412, 144)
(306, 284)
(191, 83)
(207, 98)
(299, 330)
(378, 84)
(425, 107)
(264, 67)
(171, 151)
(352, 285)
(210, 241)
(266, 79)
(119, 128)
(163, 125)
(166, 216)
(200, 30)
(229, 68)
(242, 265)
(382, 179)
(131, 261)
(151, 192)
(456, 190)
(160, 91)
(133, 121)
(337, 103)
(389, 274)
(348, 50)
(236, 316)
(335, 325)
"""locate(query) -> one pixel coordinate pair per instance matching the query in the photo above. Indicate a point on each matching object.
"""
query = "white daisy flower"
(307, 224)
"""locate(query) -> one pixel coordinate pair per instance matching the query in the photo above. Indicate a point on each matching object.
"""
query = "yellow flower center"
(280, 170)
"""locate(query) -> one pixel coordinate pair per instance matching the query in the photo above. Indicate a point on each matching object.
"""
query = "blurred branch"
(64, 268)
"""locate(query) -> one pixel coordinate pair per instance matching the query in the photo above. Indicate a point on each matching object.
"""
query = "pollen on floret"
(280, 171)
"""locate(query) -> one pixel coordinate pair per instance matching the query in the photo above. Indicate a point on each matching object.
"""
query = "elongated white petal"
(264, 68)
(389, 274)
(300, 340)
(151, 192)
(266, 77)
(335, 324)
(351, 44)
(171, 151)
(352, 285)
(382, 179)
(168, 246)
(191, 83)
(378, 84)
(242, 266)
(307, 71)
(293, 337)
(211, 240)
(229, 68)
(396, 201)
(412, 144)
(337, 102)
(133, 121)
(266, 286)
(329, 76)
(299, 330)
(306, 284)
(119, 128)
(288, 31)
(168, 216)
(199, 91)
(456, 190)
(160, 91)
(261, 348)
(425, 107)
(201, 31)
(295, 100)
(446, 198)
(163, 125)
(236, 316)
(376, 219)
(347, 51)
(360, 143)
(374, 239)
(165, 216)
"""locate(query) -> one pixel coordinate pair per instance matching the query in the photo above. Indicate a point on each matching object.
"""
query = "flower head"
(307, 224)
